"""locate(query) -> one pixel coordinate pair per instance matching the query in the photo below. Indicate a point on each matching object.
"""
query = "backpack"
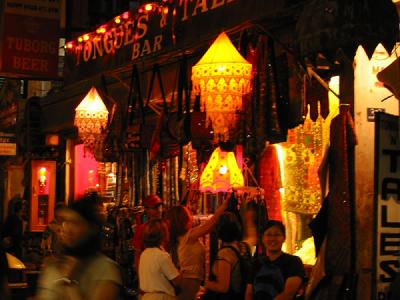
(244, 261)
(245, 264)
(268, 282)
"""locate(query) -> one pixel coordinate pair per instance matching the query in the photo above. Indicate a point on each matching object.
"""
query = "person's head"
(153, 206)
(228, 228)
(180, 220)
(274, 235)
(154, 233)
(58, 210)
(56, 224)
(81, 227)
(251, 212)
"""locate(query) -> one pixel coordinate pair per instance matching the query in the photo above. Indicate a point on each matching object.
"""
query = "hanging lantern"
(222, 173)
(222, 77)
(91, 117)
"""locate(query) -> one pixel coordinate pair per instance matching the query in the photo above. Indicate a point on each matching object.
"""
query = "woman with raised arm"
(187, 251)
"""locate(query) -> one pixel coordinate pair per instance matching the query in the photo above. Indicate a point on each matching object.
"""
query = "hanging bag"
(162, 143)
(132, 136)
(178, 123)
(106, 149)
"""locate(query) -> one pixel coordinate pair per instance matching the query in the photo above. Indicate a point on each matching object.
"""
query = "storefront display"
(91, 175)
(43, 187)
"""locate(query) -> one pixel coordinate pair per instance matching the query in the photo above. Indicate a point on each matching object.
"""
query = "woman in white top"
(158, 276)
(187, 251)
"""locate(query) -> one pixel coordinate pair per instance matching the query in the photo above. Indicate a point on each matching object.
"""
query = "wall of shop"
(369, 94)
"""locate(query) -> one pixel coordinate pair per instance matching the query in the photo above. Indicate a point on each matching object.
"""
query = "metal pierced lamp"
(91, 117)
(222, 77)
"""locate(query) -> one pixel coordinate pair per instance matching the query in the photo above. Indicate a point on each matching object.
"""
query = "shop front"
(287, 125)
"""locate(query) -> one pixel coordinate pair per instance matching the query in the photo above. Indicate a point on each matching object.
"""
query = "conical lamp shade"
(222, 173)
(221, 77)
(222, 51)
(91, 116)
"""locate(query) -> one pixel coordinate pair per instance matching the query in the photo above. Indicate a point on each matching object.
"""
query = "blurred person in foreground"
(153, 207)
(81, 271)
(158, 276)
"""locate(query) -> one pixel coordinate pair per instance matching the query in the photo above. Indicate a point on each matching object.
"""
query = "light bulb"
(223, 170)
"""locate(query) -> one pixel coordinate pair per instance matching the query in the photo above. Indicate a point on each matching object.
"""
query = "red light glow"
(85, 171)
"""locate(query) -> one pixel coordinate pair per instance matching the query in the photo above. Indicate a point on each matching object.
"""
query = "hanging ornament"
(222, 76)
(91, 117)
(222, 173)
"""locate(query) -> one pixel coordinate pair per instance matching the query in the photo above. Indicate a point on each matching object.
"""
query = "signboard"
(30, 39)
(139, 36)
(8, 144)
(387, 203)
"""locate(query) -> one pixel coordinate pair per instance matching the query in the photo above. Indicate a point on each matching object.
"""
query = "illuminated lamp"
(222, 173)
(80, 39)
(52, 139)
(91, 117)
(222, 76)
(148, 7)
(42, 177)
(101, 30)
(86, 37)
(126, 15)
(117, 20)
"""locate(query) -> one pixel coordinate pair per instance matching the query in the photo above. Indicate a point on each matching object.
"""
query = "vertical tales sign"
(387, 203)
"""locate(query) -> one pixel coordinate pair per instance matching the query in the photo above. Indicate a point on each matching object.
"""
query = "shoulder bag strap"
(134, 95)
(156, 72)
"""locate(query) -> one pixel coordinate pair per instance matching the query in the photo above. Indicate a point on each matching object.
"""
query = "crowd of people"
(170, 258)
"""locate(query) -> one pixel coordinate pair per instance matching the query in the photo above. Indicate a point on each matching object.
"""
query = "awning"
(325, 26)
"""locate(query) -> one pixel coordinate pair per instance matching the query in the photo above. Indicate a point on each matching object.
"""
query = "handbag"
(139, 129)
(132, 136)
(178, 123)
(162, 143)
(107, 147)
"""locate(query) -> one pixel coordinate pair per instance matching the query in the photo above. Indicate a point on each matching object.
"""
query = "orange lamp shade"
(222, 173)
(222, 76)
(91, 117)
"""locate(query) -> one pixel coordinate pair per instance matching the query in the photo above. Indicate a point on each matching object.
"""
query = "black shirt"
(269, 277)
(289, 265)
